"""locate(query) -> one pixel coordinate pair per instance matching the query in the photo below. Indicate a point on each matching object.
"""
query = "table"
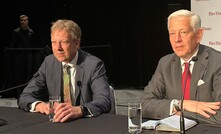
(21, 122)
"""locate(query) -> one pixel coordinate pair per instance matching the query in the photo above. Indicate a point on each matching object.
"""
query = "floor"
(123, 97)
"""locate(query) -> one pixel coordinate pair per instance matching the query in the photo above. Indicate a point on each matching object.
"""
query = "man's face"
(24, 22)
(183, 39)
(63, 47)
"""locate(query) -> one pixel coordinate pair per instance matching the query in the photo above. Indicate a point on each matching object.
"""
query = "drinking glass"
(53, 102)
(134, 118)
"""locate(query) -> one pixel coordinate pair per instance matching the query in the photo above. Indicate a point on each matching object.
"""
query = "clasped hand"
(203, 108)
(63, 111)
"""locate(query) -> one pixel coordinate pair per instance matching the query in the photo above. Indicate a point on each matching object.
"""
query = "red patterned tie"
(186, 90)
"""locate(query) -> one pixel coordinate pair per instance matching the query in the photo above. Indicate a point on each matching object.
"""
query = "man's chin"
(61, 59)
(180, 53)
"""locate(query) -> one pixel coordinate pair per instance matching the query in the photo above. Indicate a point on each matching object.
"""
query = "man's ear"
(200, 34)
(77, 43)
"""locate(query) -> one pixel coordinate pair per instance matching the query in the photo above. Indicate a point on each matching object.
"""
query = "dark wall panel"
(135, 32)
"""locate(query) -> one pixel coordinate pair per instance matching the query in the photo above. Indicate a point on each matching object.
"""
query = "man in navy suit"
(90, 92)
(163, 94)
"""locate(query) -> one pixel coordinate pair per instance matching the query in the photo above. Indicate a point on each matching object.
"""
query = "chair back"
(113, 101)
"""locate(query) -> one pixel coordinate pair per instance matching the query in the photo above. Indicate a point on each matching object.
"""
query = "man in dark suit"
(90, 92)
(163, 94)
(22, 37)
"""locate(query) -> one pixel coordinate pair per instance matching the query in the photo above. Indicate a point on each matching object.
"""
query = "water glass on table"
(134, 117)
(53, 102)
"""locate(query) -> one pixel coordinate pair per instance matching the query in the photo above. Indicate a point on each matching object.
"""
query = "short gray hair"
(195, 20)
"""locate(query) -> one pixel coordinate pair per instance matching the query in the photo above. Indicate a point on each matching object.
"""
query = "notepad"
(171, 123)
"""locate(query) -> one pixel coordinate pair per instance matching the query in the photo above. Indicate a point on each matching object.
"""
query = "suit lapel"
(79, 77)
(199, 70)
(176, 77)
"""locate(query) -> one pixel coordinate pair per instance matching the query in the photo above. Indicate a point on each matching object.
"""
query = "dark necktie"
(186, 86)
(66, 77)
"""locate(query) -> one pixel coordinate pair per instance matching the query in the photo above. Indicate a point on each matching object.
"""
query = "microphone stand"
(182, 121)
(18, 86)
(22, 85)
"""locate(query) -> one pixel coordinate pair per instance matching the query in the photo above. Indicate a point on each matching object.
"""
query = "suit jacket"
(91, 84)
(22, 38)
(165, 85)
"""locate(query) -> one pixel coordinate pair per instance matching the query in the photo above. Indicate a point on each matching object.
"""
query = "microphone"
(194, 59)
(182, 122)
(22, 85)
(79, 84)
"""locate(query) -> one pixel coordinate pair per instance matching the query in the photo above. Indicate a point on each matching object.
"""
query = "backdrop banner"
(210, 13)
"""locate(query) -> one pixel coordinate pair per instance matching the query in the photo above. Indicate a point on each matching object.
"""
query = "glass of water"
(134, 118)
(53, 102)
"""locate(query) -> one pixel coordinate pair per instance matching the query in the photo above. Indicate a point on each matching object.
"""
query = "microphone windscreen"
(194, 59)
(79, 83)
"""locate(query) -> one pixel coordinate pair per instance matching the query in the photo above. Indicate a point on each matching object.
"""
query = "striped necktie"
(67, 85)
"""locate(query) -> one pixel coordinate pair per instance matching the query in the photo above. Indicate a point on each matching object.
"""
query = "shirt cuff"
(32, 109)
(171, 107)
(86, 111)
(90, 113)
